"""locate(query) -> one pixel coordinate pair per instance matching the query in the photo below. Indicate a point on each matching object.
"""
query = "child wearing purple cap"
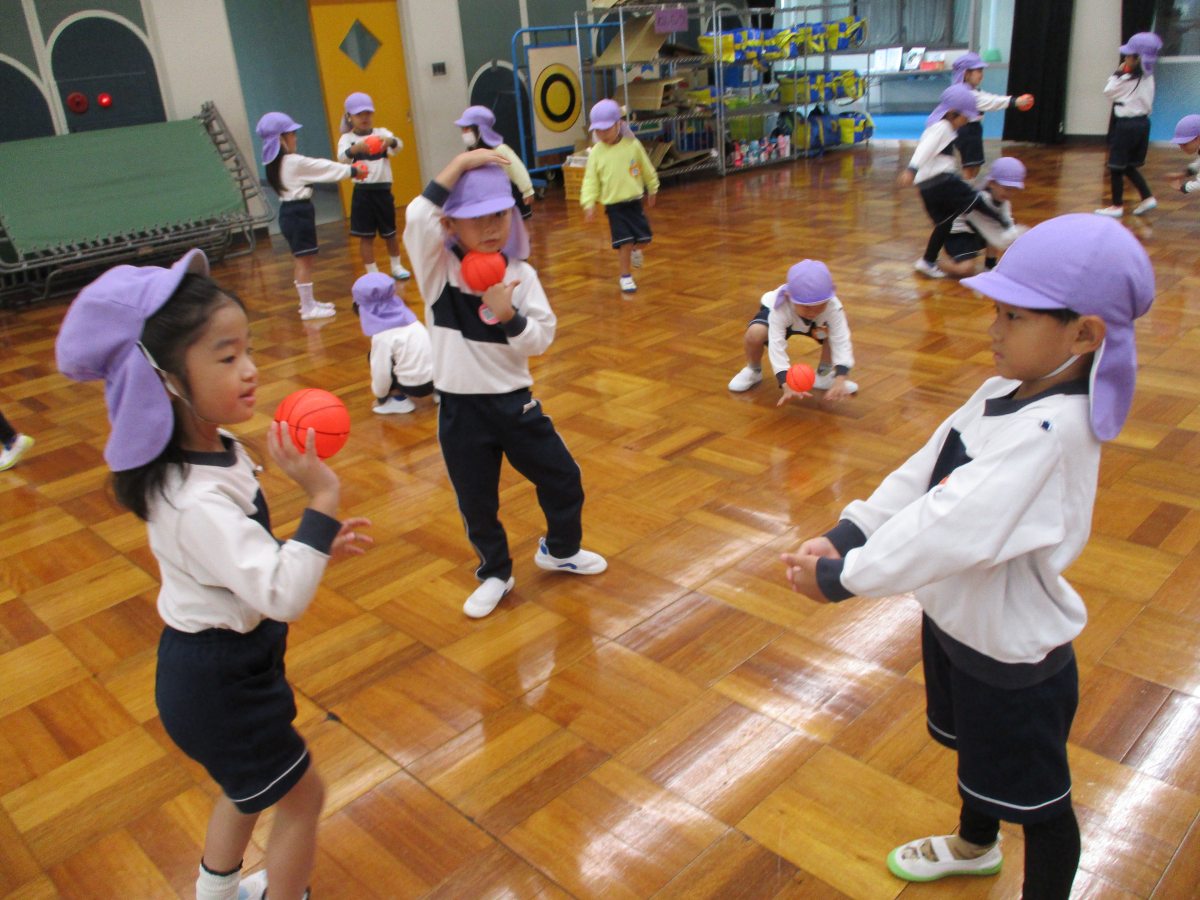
(976, 233)
(934, 170)
(400, 357)
(481, 350)
(618, 173)
(173, 349)
(292, 177)
(13, 444)
(1131, 90)
(478, 125)
(1187, 139)
(968, 70)
(372, 206)
(981, 523)
(805, 304)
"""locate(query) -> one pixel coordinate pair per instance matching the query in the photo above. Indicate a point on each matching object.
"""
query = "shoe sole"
(894, 866)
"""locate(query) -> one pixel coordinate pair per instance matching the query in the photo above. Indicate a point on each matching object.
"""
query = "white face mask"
(468, 139)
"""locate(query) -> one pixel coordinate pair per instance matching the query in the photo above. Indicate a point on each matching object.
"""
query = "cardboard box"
(652, 93)
(642, 43)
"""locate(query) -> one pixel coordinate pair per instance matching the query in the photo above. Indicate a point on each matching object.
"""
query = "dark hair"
(167, 335)
(1063, 315)
(273, 177)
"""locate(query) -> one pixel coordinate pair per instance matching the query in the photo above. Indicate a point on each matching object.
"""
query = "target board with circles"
(559, 119)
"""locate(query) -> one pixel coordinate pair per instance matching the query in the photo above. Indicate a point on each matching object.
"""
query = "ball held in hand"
(481, 270)
(358, 170)
(374, 144)
(1025, 102)
(319, 410)
(801, 378)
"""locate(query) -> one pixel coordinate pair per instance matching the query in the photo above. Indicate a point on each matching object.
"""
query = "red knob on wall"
(105, 100)
(77, 102)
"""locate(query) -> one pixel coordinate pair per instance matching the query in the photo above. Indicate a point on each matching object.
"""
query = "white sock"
(372, 268)
(210, 886)
(306, 297)
(395, 261)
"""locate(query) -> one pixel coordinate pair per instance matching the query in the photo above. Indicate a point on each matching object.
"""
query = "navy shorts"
(298, 222)
(627, 223)
(962, 245)
(762, 317)
(1011, 742)
(1128, 142)
(224, 700)
(373, 211)
(969, 144)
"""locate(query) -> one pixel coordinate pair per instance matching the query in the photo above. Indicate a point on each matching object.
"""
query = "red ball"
(319, 410)
(801, 378)
(374, 144)
(481, 270)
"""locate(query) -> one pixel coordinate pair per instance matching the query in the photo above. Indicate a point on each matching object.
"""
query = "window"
(1177, 22)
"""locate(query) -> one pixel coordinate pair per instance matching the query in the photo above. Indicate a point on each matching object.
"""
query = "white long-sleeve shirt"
(930, 158)
(988, 102)
(298, 173)
(830, 325)
(469, 355)
(402, 353)
(1132, 95)
(981, 522)
(517, 173)
(379, 170)
(221, 567)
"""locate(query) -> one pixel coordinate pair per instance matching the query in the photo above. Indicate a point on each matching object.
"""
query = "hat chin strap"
(1070, 360)
(165, 378)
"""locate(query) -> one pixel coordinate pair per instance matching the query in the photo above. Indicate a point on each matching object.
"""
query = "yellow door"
(359, 49)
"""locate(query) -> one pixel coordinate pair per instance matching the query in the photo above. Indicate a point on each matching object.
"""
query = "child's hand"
(498, 298)
(905, 178)
(306, 469)
(651, 199)
(589, 213)
(789, 394)
(819, 546)
(358, 170)
(802, 575)
(348, 538)
(838, 391)
(1176, 181)
(1025, 102)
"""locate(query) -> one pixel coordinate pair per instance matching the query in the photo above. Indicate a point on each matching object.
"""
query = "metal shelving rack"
(706, 17)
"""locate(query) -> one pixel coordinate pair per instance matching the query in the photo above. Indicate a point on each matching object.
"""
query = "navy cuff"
(515, 325)
(781, 377)
(317, 530)
(845, 536)
(436, 193)
(841, 370)
(829, 579)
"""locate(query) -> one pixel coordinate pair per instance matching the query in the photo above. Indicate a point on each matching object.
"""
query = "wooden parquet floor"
(683, 725)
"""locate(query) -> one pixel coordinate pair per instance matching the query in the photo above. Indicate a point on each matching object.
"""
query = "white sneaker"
(317, 304)
(9, 456)
(253, 886)
(583, 562)
(400, 273)
(825, 382)
(1113, 212)
(628, 285)
(316, 311)
(637, 259)
(1194, 167)
(394, 405)
(486, 597)
(929, 270)
(745, 379)
(1145, 206)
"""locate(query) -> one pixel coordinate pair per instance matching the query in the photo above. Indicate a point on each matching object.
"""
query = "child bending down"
(1187, 139)
(981, 522)
(481, 350)
(977, 233)
(806, 305)
(934, 170)
(618, 173)
(173, 349)
(401, 359)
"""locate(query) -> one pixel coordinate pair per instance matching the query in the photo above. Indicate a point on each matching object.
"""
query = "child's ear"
(1089, 334)
(448, 226)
